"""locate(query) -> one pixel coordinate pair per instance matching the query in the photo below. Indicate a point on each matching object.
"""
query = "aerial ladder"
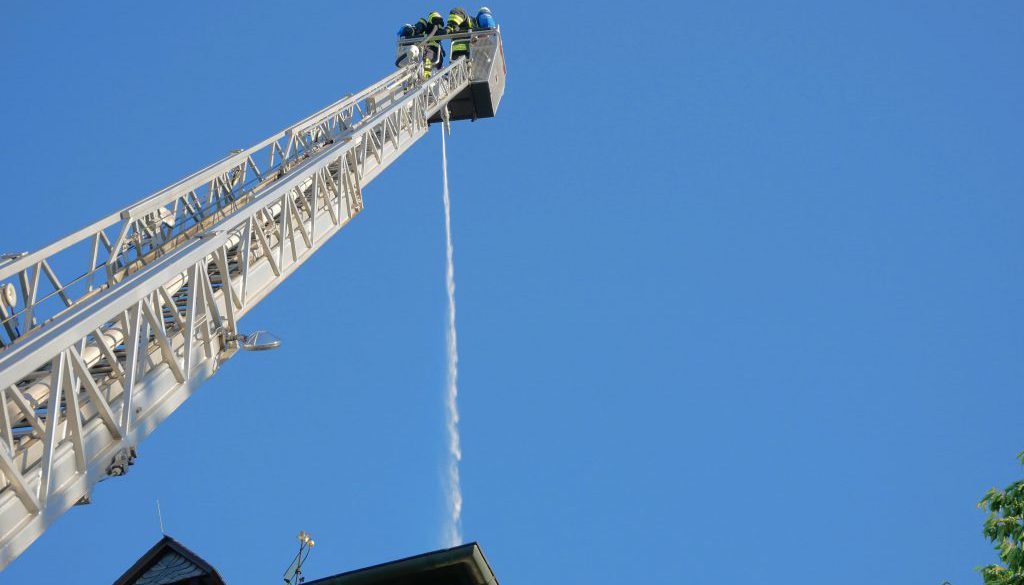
(107, 331)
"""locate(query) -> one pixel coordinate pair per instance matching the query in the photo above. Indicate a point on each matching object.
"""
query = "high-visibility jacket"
(428, 23)
(459, 21)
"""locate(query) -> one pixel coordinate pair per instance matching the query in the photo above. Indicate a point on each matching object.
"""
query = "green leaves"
(1004, 527)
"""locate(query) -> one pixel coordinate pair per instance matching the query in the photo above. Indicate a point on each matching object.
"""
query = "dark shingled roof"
(168, 563)
(462, 565)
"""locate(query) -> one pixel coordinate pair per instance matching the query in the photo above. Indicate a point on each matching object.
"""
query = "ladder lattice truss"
(107, 331)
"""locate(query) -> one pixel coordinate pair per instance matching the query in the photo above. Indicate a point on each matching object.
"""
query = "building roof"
(168, 563)
(462, 565)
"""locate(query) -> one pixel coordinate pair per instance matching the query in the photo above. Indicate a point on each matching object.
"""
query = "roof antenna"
(293, 576)
(160, 516)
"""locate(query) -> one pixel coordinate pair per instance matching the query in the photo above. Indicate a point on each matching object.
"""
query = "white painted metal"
(92, 363)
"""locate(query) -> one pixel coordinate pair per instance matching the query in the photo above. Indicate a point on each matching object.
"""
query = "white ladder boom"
(91, 364)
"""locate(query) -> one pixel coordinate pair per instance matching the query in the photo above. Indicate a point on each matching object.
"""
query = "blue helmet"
(484, 19)
(406, 31)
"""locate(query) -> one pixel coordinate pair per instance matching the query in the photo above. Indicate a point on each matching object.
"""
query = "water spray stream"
(453, 529)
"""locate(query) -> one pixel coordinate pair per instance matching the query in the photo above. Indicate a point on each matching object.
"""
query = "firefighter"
(459, 22)
(484, 20)
(407, 54)
(433, 54)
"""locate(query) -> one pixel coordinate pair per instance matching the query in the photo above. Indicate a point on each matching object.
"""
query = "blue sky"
(739, 288)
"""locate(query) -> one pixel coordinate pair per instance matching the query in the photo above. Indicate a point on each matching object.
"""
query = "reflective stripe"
(460, 46)
(456, 19)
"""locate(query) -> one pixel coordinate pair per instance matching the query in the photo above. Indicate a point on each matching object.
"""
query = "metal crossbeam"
(162, 288)
(101, 255)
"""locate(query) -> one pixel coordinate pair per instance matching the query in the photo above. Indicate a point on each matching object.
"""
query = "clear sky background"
(739, 288)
